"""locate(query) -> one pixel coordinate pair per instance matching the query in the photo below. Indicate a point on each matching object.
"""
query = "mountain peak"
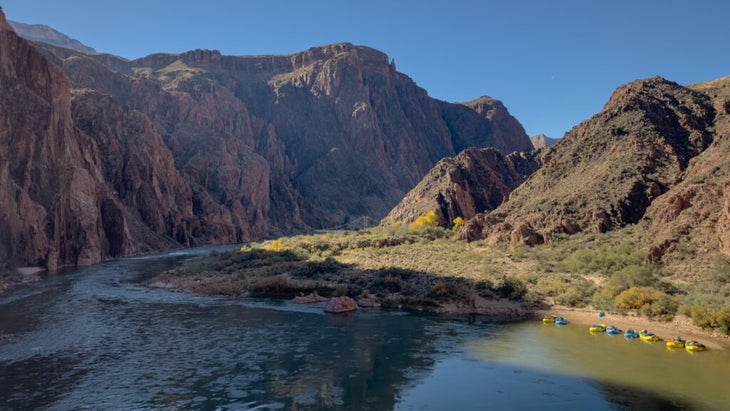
(45, 34)
(542, 141)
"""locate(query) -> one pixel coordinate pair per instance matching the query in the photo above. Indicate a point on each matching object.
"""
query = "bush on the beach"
(711, 317)
(606, 259)
(512, 288)
(664, 309)
(635, 298)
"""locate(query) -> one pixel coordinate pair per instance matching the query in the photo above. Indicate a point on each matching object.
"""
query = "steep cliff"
(689, 223)
(319, 138)
(606, 172)
(110, 157)
(475, 181)
(55, 209)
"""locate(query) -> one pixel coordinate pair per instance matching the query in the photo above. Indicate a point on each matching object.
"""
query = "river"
(96, 338)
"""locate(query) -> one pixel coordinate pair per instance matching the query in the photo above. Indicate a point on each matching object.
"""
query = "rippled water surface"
(96, 339)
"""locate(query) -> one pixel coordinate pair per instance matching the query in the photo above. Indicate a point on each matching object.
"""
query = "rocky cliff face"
(55, 208)
(607, 171)
(475, 181)
(315, 139)
(692, 220)
(132, 156)
(542, 141)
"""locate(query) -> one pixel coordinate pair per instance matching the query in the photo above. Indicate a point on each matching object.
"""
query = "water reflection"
(654, 374)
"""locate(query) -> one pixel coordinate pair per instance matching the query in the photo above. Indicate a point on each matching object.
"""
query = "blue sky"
(553, 63)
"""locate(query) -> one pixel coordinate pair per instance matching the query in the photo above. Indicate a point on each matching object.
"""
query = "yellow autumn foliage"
(428, 220)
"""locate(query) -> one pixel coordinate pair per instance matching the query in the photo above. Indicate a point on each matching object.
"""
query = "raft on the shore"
(613, 330)
(597, 328)
(694, 346)
(675, 343)
(631, 333)
(647, 336)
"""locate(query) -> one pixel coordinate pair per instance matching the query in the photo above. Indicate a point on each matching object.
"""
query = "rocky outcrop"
(309, 298)
(542, 141)
(691, 222)
(138, 167)
(607, 171)
(55, 208)
(475, 181)
(508, 135)
(340, 305)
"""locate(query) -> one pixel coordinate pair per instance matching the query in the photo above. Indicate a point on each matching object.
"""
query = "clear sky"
(553, 63)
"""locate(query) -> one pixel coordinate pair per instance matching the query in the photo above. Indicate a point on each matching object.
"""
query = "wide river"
(96, 338)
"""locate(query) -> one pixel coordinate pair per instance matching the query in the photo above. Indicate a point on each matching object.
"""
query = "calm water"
(96, 339)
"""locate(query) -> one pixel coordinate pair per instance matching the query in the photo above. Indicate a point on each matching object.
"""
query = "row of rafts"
(644, 335)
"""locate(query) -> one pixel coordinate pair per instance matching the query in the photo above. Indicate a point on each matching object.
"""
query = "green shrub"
(512, 288)
(719, 273)
(606, 260)
(663, 309)
(314, 268)
(340, 291)
(439, 290)
(484, 288)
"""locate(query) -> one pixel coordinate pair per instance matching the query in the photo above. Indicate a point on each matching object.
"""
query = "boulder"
(309, 298)
(340, 305)
(370, 302)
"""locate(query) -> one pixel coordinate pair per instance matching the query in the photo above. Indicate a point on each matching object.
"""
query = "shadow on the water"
(53, 376)
(631, 398)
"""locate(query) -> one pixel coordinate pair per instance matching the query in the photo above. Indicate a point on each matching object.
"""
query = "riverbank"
(20, 277)
(679, 326)
(427, 270)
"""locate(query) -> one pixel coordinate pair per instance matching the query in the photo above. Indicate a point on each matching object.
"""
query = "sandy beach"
(680, 326)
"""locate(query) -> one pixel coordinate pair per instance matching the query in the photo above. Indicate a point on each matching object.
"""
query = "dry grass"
(428, 268)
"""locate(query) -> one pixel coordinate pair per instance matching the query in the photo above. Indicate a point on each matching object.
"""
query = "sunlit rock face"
(609, 170)
(106, 157)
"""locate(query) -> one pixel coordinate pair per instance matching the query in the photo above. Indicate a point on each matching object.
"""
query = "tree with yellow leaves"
(428, 220)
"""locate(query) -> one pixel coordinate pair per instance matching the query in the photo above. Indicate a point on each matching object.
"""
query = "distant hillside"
(542, 141)
(44, 34)
(606, 172)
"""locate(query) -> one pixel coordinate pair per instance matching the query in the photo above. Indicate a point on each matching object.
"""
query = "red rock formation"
(204, 148)
(322, 137)
(606, 172)
(475, 181)
(340, 305)
(55, 209)
(506, 127)
(138, 166)
(542, 141)
(309, 298)
(691, 222)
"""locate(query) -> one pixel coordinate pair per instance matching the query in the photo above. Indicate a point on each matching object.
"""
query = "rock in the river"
(340, 305)
(309, 298)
